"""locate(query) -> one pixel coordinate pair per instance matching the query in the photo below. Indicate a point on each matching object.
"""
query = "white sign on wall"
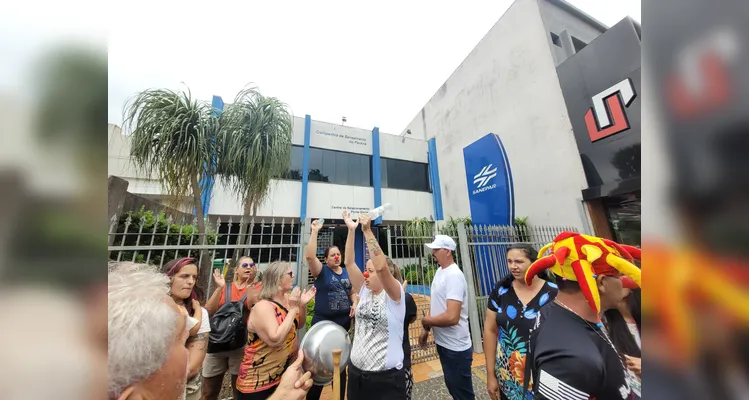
(350, 139)
(355, 211)
(342, 138)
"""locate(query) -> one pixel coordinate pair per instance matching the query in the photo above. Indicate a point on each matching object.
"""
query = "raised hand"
(218, 278)
(295, 297)
(316, 225)
(365, 221)
(308, 295)
(350, 223)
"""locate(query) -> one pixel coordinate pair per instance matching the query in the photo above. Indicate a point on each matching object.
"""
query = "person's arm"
(391, 285)
(354, 303)
(263, 320)
(196, 346)
(451, 316)
(491, 330)
(315, 266)
(212, 304)
(410, 309)
(490, 351)
(354, 273)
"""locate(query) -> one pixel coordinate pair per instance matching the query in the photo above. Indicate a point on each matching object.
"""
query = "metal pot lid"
(318, 345)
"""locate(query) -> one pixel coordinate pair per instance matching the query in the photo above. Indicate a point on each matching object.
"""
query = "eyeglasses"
(248, 265)
(291, 274)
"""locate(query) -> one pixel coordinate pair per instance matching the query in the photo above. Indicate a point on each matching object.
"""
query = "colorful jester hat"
(581, 258)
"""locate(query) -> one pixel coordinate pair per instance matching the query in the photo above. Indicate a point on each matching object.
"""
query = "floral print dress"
(515, 322)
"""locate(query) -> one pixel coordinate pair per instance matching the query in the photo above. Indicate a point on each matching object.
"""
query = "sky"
(375, 65)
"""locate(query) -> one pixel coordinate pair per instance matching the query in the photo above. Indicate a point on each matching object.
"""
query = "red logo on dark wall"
(701, 82)
(607, 116)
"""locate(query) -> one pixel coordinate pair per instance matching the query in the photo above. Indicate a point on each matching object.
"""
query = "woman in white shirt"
(375, 370)
(183, 273)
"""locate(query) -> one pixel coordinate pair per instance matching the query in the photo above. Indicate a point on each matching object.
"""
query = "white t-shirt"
(450, 284)
(378, 337)
(205, 324)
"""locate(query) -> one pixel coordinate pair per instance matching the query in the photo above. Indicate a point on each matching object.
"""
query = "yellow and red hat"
(581, 258)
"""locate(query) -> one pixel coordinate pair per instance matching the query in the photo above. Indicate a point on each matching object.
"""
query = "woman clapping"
(273, 342)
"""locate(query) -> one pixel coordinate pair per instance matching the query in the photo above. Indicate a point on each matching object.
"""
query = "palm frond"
(173, 136)
(255, 136)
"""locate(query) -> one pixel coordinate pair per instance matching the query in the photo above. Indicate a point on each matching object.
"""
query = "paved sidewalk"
(429, 384)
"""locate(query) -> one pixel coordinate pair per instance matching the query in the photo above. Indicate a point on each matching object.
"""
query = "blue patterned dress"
(515, 322)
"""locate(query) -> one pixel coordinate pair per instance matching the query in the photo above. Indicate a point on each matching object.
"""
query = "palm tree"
(255, 146)
(173, 138)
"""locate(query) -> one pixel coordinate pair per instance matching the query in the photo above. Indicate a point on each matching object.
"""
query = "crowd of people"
(546, 336)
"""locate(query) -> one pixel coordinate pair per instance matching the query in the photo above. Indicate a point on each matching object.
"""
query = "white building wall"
(297, 135)
(283, 200)
(325, 135)
(403, 148)
(508, 85)
(407, 204)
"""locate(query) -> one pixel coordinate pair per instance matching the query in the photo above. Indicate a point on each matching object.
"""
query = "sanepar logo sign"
(482, 179)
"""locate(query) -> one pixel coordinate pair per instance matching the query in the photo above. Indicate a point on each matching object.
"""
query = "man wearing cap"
(448, 317)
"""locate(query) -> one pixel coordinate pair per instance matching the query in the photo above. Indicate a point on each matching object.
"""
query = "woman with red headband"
(183, 273)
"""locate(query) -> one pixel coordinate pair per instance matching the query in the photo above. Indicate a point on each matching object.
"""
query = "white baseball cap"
(442, 242)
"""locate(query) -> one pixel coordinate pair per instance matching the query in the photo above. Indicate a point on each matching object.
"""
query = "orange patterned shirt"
(262, 365)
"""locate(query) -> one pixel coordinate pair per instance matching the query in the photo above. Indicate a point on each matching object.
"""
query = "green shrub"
(310, 313)
(154, 230)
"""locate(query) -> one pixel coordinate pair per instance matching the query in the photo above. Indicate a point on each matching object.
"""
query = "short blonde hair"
(271, 276)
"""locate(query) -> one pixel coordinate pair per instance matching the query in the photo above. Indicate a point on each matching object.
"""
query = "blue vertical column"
(376, 173)
(305, 184)
(305, 168)
(434, 178)
(206, 182)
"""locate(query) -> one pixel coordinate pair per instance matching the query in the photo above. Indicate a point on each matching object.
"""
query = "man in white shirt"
(448, 316)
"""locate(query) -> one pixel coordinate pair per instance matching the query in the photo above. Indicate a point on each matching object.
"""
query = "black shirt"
(514, 324)
(410, 315)
(572, 360)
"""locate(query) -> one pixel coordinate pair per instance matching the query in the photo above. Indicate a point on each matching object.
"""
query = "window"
(331, 166)
(295, 168)
(579, 44)
(555, 39)
(401, 174)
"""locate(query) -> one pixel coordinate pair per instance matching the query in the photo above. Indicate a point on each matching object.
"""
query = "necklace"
(600, 332)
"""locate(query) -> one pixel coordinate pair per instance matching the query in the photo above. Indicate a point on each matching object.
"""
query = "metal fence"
(487, 249)
(155, 238)
(405, 246)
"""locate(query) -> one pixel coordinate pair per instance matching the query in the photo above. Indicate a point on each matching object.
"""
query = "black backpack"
(228, 330)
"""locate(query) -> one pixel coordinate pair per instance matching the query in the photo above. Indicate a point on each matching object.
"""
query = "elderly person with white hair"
(147, 333)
